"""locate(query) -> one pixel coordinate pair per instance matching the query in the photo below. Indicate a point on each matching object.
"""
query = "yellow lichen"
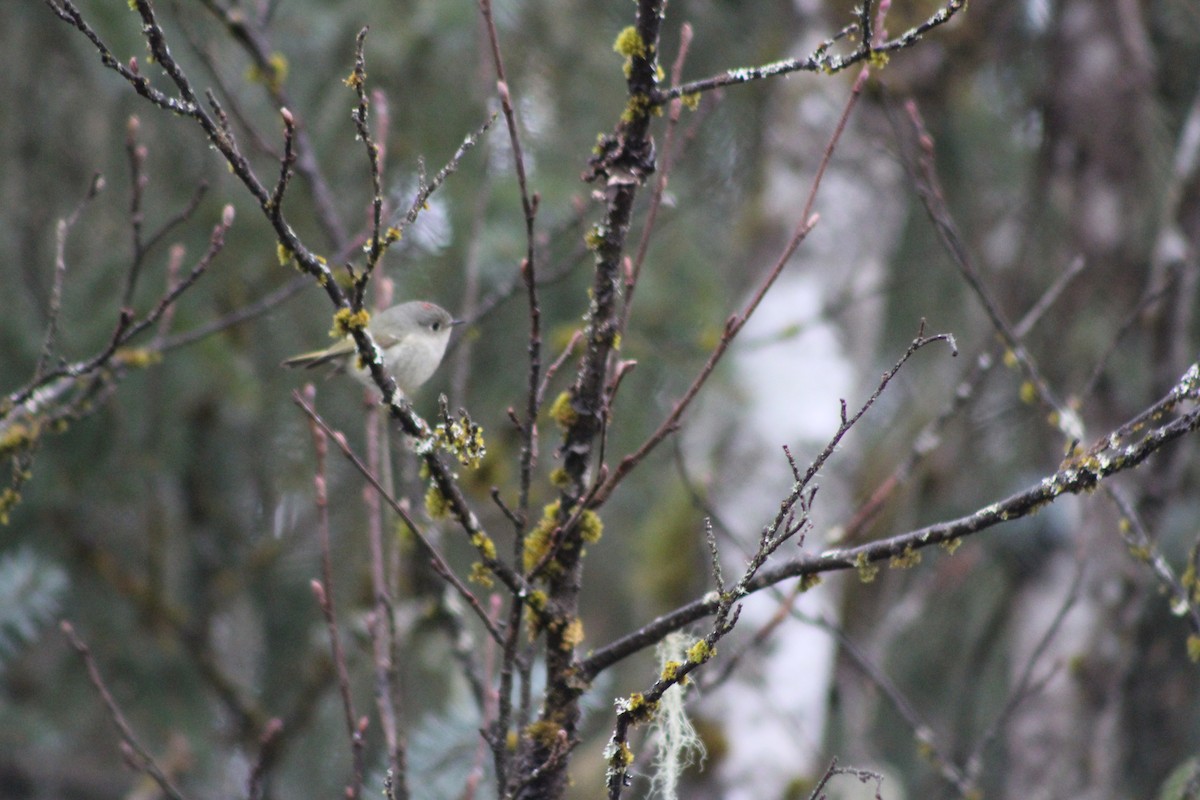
(866, 570)
(436, 503)
(480, 575)
(622, 756)
(809, 581)
(1140, 551)
(544, 732)
(637, 107)
(629, 43)
(18, 437)
(559, 477)
(700, 652)
(9, 499)
(272, 74)
(137, 357)
(537, 600)
(591, 527)
(594, 237)
(463, 439)
(908, 558)
(951, 545)
(639, 708)
(1193, 648)
(345, 321)
(572, 636)
(691, 100)
(562, 411)
(538, 541)
(484, 544)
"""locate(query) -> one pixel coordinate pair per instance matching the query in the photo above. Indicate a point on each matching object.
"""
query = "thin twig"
(431, 550)
(62, 231)
(930, 437)
(142, 760)
(323, 591)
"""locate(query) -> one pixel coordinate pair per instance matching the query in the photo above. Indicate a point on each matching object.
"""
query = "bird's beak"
(454, 322)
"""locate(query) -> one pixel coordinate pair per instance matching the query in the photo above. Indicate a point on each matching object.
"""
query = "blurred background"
(173, 522)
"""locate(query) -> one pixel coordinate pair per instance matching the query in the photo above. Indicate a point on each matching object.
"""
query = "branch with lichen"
(57, 397)
(620, 166)
(792, 519)
(821, 59)
(1110, 456)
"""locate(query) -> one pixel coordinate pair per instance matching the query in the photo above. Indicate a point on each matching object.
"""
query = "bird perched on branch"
(412, 337)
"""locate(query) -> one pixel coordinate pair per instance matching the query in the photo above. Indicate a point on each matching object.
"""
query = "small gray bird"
(413, 337)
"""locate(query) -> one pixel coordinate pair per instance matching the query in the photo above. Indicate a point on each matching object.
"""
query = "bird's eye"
(437, 326)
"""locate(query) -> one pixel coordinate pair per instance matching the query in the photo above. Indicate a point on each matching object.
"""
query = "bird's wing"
(318, 357)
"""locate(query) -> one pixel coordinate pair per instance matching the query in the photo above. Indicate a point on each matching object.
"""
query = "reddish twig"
(323, 591)
(137, 755)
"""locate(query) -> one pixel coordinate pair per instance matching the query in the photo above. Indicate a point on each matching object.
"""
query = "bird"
(412, 337)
